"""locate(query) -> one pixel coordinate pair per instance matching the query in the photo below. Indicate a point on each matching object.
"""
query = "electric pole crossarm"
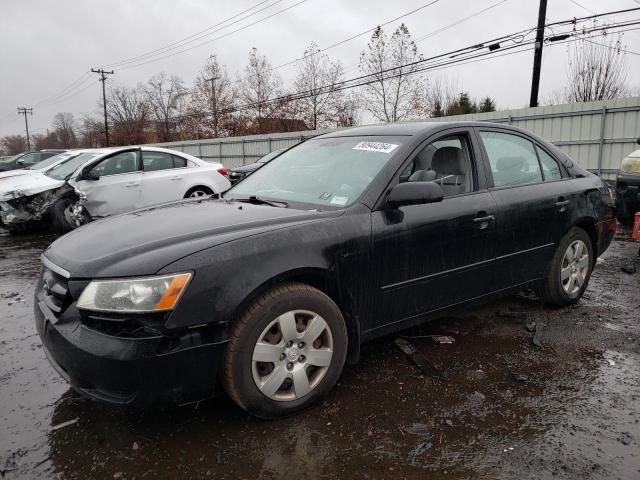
(103, 77)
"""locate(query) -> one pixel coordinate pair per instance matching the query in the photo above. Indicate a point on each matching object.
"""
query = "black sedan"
(238, 173)
(628, 188)
(270, 290)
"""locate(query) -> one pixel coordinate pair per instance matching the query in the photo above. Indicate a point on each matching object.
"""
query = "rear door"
(439, 254)
(532, 204)
(117, 188)
(163, 178)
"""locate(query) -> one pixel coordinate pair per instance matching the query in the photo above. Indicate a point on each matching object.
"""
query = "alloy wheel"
(575, 267)
(292, 355)
(198, 194)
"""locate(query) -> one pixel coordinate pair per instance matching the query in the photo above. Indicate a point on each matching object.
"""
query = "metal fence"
(597, 135)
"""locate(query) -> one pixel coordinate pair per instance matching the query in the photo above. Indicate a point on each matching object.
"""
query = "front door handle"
(131, 184)
(484, 221)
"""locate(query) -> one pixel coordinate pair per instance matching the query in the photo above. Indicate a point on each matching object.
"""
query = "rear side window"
(512, 158)
(550, 167)
(154, 161)
(179, 162)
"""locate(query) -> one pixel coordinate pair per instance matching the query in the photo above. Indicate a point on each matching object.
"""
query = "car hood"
(144, 241)
(26, 183)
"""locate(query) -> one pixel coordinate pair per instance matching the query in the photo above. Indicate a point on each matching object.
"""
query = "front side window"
(512, 158)
(123, 162)
(330, 172)
(446, 161)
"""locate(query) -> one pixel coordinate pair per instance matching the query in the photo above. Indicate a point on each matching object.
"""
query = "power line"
(178, 42)
(81, 79)
(216, 38)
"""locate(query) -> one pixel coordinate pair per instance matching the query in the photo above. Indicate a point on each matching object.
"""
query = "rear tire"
(198, 192)
(285, 352)
(570, 270)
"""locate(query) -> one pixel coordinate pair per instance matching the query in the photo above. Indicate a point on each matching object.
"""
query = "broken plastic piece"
(64, 424)
(420, 360)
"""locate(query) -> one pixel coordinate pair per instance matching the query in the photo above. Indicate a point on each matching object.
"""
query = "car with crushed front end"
(271, 290)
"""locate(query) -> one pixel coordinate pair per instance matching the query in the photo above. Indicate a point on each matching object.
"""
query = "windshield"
(330, 172)
(30, 158)
(64, 170)
(51, 160)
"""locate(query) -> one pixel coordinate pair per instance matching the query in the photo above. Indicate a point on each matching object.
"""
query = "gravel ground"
(504, 408)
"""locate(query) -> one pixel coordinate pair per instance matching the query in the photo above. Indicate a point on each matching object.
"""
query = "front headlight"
(630, 165)
(136, 295)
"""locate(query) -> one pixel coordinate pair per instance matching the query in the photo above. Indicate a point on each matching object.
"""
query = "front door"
(435, 255)
(117, 188)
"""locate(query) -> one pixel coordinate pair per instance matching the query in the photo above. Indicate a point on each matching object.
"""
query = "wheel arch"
(588, 224)
(328, 283)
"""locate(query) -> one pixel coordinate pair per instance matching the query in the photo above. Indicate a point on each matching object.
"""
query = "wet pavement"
(504, 408)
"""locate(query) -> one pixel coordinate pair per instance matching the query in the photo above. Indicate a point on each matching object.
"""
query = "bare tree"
(14, 144)
(316, 82)
(163, 94)
(395, 94)
(64, 128)
(129, 113)
(91, 132)
(211, 102)
(440, 95)
(259, 85)
(596, 72)
(348, 110)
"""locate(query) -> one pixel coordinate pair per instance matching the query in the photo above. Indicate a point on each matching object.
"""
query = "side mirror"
(89, 174)
(415, 193)
(20, 162)
(638, 141)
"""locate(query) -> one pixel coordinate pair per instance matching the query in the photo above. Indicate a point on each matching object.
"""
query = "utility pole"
(214, 106)
(103, 78)
(537, 56)
(24, 111)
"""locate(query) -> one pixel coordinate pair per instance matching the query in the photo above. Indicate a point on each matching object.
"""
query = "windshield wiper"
(263, 201)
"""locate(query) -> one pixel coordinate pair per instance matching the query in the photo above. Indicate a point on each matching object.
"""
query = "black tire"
(58, 217)
(551, 291)
(201, 188)
(238, 375)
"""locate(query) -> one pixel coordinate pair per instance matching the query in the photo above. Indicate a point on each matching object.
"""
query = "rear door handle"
(131, 184)
(483, 222)
(177, 177)
(561, 204)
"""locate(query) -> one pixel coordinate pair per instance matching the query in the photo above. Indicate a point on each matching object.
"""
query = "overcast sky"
(45, 46)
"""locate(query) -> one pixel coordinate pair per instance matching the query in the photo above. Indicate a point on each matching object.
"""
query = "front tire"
(286, 352)
(570, 270)
(61, 215)
(198, 192)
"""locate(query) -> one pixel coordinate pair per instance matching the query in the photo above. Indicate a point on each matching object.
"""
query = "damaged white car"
(108, 181)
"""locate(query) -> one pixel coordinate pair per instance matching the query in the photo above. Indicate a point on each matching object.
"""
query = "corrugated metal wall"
(597, 135)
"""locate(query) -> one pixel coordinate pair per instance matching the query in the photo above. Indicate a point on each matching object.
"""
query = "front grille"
(55, 291)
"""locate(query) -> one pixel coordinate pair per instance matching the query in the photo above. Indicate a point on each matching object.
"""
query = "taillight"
(223, 171)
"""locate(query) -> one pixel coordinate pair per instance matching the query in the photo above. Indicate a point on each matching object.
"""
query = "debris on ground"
(630, 269)
(531, 327)
(135, 446)
(9, 464)
(625, 439)
(519, 377)
(510, 314)
(443, 339)
(419, 429)
(9, 294)
(537, 336)
(612, 363)
(64, 424)
(419, 450)
(420, 360)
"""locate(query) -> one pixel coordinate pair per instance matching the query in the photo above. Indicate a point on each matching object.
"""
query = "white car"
(110, 181)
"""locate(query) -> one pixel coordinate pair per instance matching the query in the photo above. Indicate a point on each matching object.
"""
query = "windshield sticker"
(325, 196)
(376, 147)
(339, 200)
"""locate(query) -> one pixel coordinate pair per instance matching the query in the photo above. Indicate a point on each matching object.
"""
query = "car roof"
(406, 128)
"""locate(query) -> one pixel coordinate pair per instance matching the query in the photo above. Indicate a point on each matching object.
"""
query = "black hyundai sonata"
(270, 290)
